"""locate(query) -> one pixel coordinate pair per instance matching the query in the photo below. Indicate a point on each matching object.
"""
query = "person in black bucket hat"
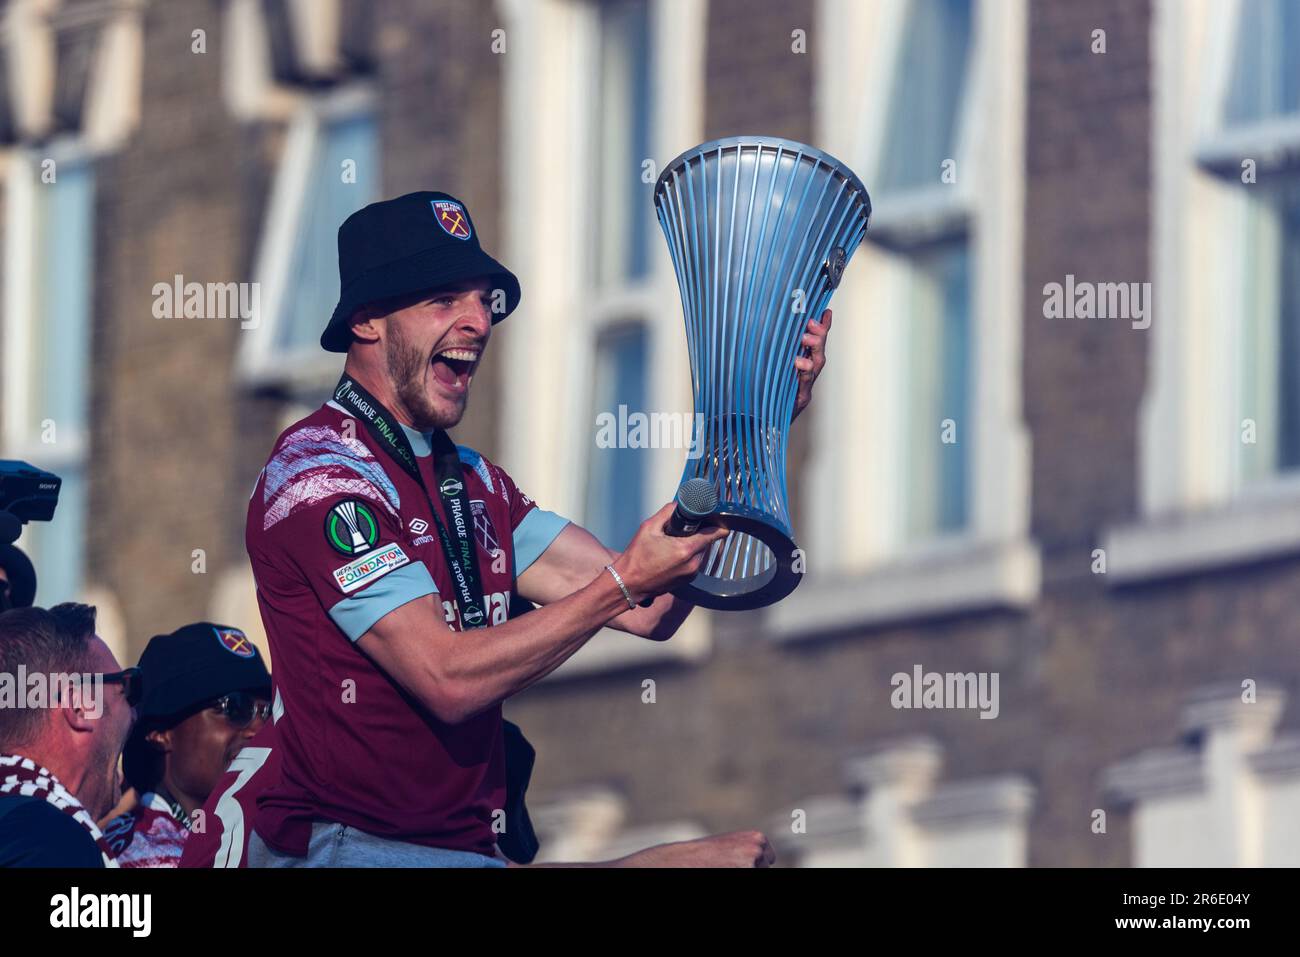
(404, 246)
(206, 693)
(387, 554)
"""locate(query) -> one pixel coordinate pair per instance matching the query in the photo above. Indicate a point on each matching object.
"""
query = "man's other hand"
(738, 849)
(809, 367)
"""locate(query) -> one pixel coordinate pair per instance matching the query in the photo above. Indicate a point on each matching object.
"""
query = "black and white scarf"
(24, 777)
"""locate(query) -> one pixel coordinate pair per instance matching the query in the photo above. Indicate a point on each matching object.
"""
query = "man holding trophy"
(389, 614)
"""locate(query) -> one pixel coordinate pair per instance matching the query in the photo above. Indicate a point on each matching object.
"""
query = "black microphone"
(696, 501)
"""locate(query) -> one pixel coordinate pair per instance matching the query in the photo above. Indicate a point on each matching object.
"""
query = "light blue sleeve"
(534, 535)
(358, 613)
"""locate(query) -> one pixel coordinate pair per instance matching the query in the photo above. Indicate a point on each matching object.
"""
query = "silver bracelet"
(623, 588)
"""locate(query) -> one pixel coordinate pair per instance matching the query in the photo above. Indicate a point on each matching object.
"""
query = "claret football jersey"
(339, 535)
(221, 829)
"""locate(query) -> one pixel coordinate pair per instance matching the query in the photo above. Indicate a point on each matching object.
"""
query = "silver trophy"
(759, 230)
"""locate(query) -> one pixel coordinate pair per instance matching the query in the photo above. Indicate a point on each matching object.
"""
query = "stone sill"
(960, 577)
(1249, 530)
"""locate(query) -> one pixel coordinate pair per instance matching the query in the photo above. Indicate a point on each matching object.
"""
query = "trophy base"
(753, 567)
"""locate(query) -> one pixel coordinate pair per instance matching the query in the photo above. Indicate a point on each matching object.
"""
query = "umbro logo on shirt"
(418, 527)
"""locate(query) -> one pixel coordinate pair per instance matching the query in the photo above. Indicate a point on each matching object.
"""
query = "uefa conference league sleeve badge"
(352, 530)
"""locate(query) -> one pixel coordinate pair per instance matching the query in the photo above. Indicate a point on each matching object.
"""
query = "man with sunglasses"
(58, 753)
(207, 693)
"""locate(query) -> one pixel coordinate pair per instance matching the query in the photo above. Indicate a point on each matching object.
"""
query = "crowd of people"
(144, 766)
(102, 766)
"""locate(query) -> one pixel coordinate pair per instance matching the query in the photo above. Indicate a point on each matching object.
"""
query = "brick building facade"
(1063, 167)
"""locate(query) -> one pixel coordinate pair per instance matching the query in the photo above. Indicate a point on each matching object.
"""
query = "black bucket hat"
(183, 671)
(400, 246)
(198, 663)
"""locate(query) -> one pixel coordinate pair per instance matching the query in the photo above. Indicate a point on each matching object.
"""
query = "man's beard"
(407, 368)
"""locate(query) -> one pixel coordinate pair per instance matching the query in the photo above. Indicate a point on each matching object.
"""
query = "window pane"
(1266, 65)
(624, 115)
(65, 214)
(1270, 330)
(56, 548)
(938, 363)
(63, 242)
(616, 476)
(927, 94)
(313, 281)
(1288, 356)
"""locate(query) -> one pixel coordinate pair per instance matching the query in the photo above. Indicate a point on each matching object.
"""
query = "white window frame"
(1195, 514)
(549, 348)
(248, 84)
(260, 361)
(860, 571)
(19, 438)
(252, 94)
(111, 113)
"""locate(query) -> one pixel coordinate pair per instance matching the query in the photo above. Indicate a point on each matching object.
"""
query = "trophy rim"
(767, 588)
(758, 139)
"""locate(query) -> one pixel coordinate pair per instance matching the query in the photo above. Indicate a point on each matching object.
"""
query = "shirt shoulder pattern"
(317, 462)
(481, 466)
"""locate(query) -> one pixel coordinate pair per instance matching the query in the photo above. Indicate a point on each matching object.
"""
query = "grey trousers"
(337, 845)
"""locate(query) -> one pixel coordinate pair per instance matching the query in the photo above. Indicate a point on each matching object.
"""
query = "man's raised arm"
(456, 679)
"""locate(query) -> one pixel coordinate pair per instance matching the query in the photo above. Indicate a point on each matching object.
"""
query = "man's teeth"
(461, 355)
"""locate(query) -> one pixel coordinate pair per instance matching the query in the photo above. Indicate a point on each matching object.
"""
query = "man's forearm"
(503, 660)
(659, 622)
(572, 560)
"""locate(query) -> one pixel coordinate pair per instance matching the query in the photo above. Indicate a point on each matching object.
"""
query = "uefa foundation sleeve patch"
(369, 567)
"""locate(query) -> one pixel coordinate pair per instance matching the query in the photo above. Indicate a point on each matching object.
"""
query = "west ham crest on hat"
(451, 217)
(235, 641)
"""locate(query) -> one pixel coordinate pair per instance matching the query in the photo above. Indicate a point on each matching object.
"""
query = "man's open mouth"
(454, 368)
